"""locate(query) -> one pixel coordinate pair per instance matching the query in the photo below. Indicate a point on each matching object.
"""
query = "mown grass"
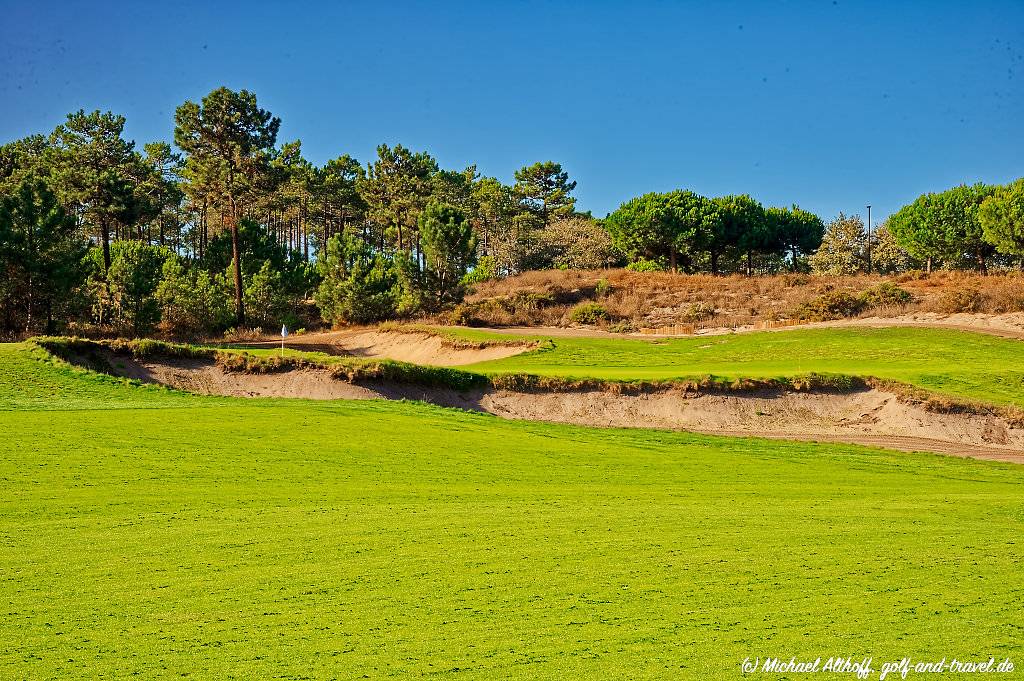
(146, 532)
(32, 378)
(957, 363)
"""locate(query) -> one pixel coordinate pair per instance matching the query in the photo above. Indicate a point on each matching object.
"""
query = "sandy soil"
(417, 348)
(1009, 325)
(203, 377)
(870, 417)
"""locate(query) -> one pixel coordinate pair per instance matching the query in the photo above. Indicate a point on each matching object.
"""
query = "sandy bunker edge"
(868, 416)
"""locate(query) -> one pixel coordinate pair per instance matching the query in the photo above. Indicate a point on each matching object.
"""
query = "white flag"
(284, 331)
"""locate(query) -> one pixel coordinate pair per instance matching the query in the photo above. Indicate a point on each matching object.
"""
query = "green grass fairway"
(30, 379)
(145, 532)
(957, 363)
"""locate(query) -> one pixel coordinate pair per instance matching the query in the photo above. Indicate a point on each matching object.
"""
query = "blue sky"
(831, 105)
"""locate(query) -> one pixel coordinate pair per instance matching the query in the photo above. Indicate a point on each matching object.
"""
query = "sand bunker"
(871, 417)
(204, 377)
(414, 347)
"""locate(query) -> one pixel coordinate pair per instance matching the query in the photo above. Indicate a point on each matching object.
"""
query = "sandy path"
(870, 417)
(414, 347)
(1004, 325)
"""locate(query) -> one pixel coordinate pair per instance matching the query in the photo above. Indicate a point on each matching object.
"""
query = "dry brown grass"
(546, 298)
(950, 292)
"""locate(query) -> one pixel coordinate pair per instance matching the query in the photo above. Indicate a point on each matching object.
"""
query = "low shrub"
(830, 305)
(501, 311)
(525, 301)
(622, 326)
(588, 313)
(961, 299)
(644, 265)
(463, 315)
(139, 348)
(699, 312)
(63, 346)
(242, 335)
(841, 304)
(147, 347)
(886, 294)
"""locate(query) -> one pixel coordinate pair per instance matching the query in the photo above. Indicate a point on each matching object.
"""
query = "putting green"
(957, 363)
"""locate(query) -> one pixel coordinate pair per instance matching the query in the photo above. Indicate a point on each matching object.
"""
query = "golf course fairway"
(150, 532)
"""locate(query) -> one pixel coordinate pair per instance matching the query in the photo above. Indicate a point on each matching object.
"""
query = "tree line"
(965, 227)
(228, 228)
(693, 233)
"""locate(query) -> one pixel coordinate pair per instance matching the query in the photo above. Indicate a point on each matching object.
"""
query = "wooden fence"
(674, 330)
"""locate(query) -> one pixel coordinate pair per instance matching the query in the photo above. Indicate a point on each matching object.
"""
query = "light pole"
(869, 238)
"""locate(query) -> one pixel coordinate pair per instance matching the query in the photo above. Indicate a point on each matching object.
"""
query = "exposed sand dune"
(870, 417)
(414, 347)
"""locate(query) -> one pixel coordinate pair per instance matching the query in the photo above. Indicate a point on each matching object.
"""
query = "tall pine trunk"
(236, 257)
(305, 231)
(30, 306)
(105, 230)
(239, 306)
(105, 236)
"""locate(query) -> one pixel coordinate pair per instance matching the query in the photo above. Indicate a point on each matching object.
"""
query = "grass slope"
(957, 363)
(31, 378)
(272, 538)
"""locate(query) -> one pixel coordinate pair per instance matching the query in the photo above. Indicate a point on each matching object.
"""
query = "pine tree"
(1002, 218)
(97, 174)
(545, 191)
(396, 188)
(228, 141)
(41, 256)
(449, 249)
(842, 248)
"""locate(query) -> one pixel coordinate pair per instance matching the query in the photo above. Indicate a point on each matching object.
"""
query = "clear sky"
(831, 105)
